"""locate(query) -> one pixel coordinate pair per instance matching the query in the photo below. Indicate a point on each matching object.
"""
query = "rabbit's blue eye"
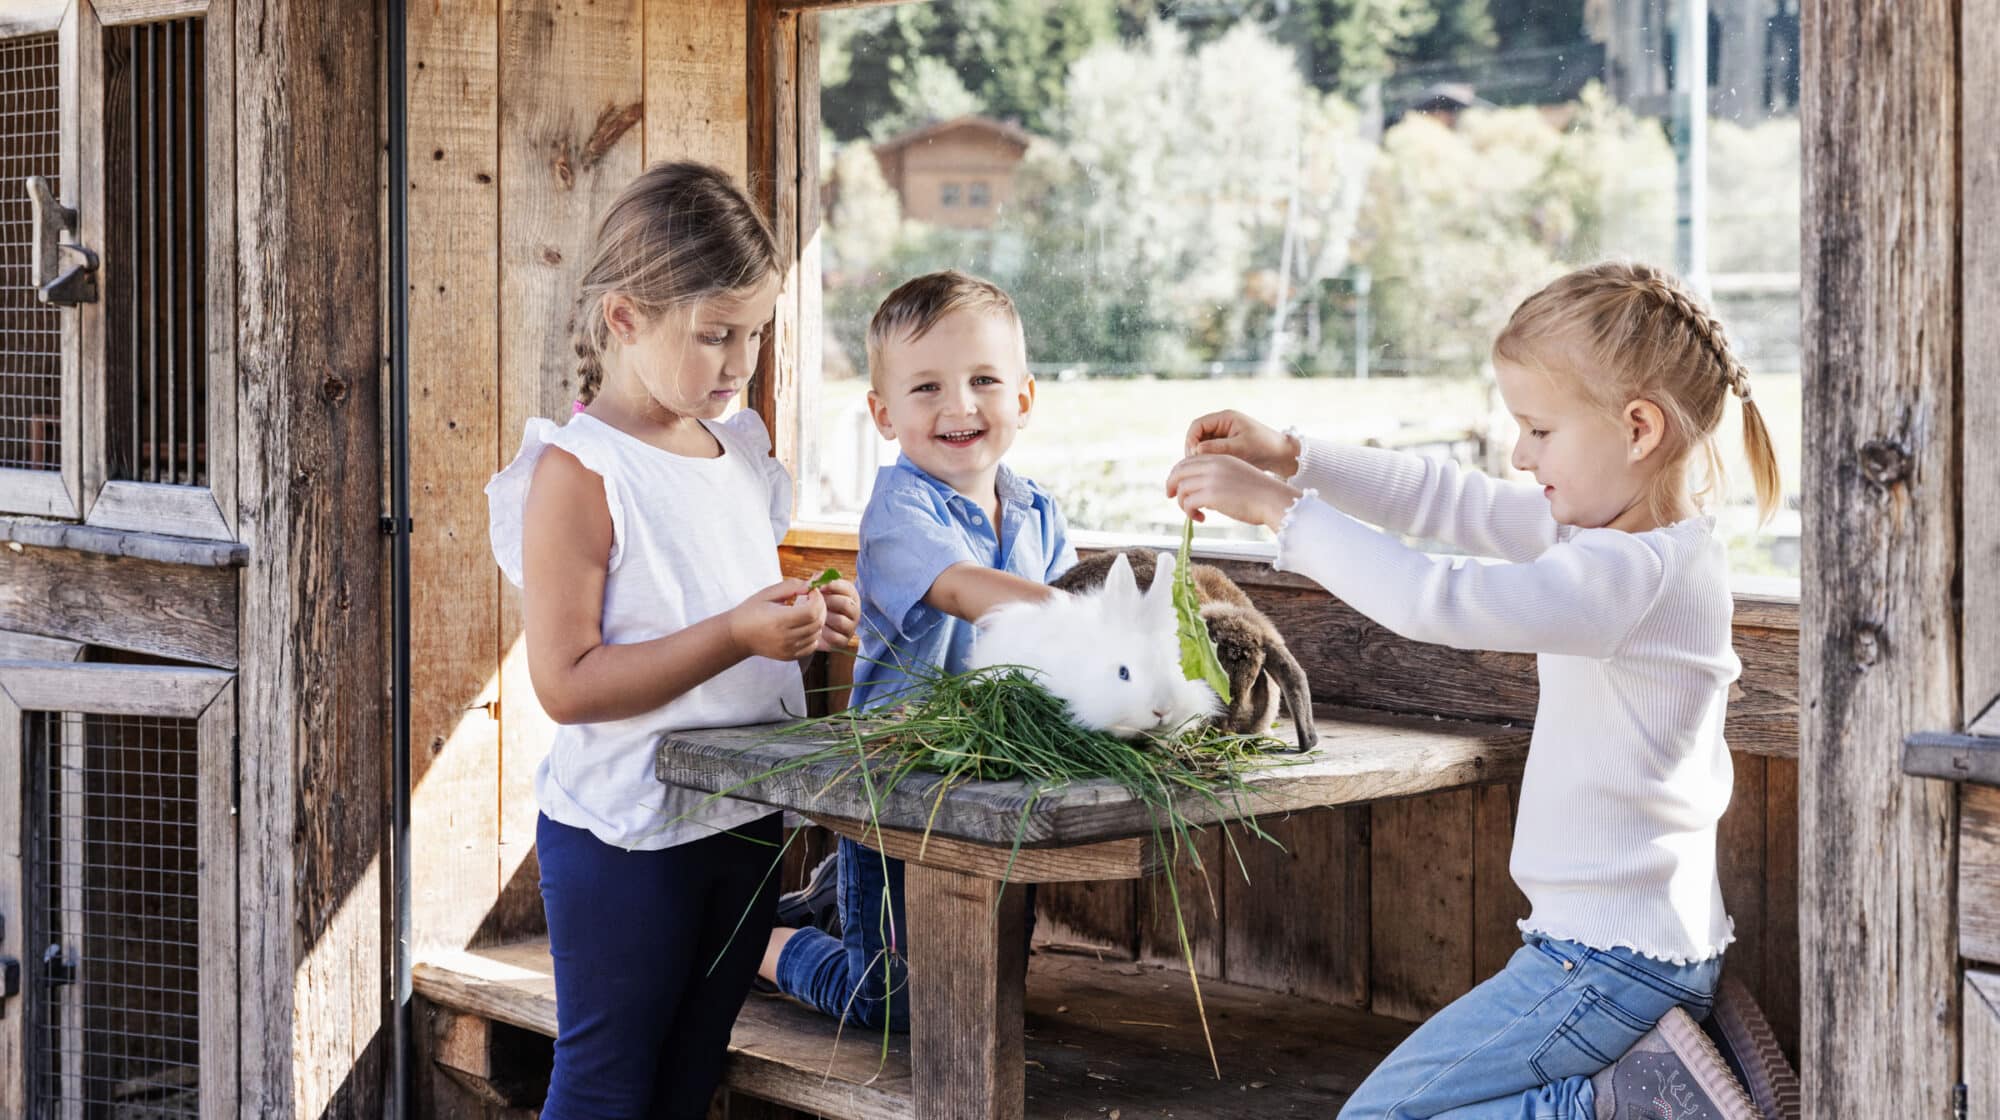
(1124, 674)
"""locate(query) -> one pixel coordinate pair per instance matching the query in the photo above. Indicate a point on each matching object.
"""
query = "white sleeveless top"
(690, 538)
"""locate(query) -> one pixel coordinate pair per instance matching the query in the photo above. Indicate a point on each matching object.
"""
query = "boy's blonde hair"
(1622, 332)
(917, 305)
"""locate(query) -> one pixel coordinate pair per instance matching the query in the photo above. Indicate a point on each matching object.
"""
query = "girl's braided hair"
(1622, 332)
(677, 234)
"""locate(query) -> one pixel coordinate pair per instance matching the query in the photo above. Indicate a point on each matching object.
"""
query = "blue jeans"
(1522, 1046)
(860, 976)
(654, 952)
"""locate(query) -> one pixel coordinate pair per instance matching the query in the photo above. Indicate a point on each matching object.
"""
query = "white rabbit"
(1111, 654)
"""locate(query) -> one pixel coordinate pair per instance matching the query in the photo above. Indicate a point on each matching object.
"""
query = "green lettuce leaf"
(826, 577)
(1198, 659)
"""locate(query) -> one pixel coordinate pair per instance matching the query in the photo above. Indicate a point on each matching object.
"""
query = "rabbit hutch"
(283, 283)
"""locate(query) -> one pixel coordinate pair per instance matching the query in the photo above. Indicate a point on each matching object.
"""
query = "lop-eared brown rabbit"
(1262, 671)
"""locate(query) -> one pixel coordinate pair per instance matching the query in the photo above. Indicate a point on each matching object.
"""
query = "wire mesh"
(156, 355)
(113, 929)
(30, 331)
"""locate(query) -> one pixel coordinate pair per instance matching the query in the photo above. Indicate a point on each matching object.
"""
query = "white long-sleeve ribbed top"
(1627, 772)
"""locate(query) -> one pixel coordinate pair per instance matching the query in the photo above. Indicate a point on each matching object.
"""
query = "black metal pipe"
(402, 1065)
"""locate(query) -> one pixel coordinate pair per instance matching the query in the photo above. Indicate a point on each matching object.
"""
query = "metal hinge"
(1958, 1104)
(389, 526)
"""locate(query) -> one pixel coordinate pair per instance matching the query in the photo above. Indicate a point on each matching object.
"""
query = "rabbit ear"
(1119, 581)
(1163, 577)
(1291, 678)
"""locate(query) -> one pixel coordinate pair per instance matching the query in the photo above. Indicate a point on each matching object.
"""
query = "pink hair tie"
(577, 407)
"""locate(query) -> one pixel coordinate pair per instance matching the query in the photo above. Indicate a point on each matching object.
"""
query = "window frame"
(82, 490)
(57, 493)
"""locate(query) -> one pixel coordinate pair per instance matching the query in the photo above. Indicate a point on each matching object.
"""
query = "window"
(1300, 212)
(113, 407)
(980, 195)
(948, 194)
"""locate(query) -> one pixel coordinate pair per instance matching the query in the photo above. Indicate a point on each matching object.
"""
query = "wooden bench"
(1100, 1036)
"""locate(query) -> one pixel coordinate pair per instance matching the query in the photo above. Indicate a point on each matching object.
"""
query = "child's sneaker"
(1747, 1043)
(817, 904)
(1672, 1073)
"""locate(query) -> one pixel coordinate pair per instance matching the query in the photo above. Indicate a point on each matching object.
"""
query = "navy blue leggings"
(642, 1021)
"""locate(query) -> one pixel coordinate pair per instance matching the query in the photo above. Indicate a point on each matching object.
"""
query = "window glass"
(948, 194)
(1316, 211)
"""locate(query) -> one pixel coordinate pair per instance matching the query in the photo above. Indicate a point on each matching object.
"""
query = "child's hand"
(843, 615)
(781, 622)
(1231, 487)
(1232, 433)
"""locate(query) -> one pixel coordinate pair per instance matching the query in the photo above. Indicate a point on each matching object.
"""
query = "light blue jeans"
(1522, 1046)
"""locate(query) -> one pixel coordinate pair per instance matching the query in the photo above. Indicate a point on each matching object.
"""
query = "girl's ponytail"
(589, 356)
(1763, 459)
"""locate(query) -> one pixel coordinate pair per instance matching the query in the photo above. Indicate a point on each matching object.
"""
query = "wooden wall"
(525, 119)
(1880, 657)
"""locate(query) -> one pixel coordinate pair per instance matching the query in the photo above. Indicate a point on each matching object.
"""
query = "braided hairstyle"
(1622, 332)
(677, 234)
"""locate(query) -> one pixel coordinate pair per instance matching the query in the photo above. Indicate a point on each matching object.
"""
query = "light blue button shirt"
(913, 529)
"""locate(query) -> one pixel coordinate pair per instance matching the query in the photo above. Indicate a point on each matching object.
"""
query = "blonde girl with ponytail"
(1607, 567)
(643, 535)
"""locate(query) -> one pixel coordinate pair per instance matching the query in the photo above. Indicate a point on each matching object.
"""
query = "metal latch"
(58, 967)
(78, 284)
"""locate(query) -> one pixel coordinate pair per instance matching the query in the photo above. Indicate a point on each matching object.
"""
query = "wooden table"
(967, 935)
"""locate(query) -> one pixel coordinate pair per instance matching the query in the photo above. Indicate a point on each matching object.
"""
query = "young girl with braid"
(1606, 569)
(644, 537)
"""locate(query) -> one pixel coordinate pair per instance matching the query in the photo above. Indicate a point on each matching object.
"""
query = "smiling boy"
(950, 532)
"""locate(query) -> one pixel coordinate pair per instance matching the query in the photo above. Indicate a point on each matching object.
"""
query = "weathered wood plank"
(1953, 758)
(1879, 649)
(14, 850)
(172, 511)
(1361, 757)
(169, 610)
(1780, 997)
(1096, 917)
(1497, 904)
(219, 54)
(16, 646)
(217, 906)
(309, 699)
(1982, 1043)
(455, 442)
(1201, 879)
(564, 154)
(1740, 865)
(1979, 381)
(114, 12)
(696, 83)
(121, 542)
(968, 965)
(1421, 933)
(1129, 858)
(1979, 874)
(773, 170)
(139, 690)
(1296, 917)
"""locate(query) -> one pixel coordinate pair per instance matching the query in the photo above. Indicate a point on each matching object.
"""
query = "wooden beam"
(968, 966)
(177, 611)
(456, 439)
(311, 710)
(114, 12)
(16, 646)
(1979, 176)
(1130, 858)
(1879, 656)
(122, 542)
(1979, 874)
(1953, 758)
(1982, 1043)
